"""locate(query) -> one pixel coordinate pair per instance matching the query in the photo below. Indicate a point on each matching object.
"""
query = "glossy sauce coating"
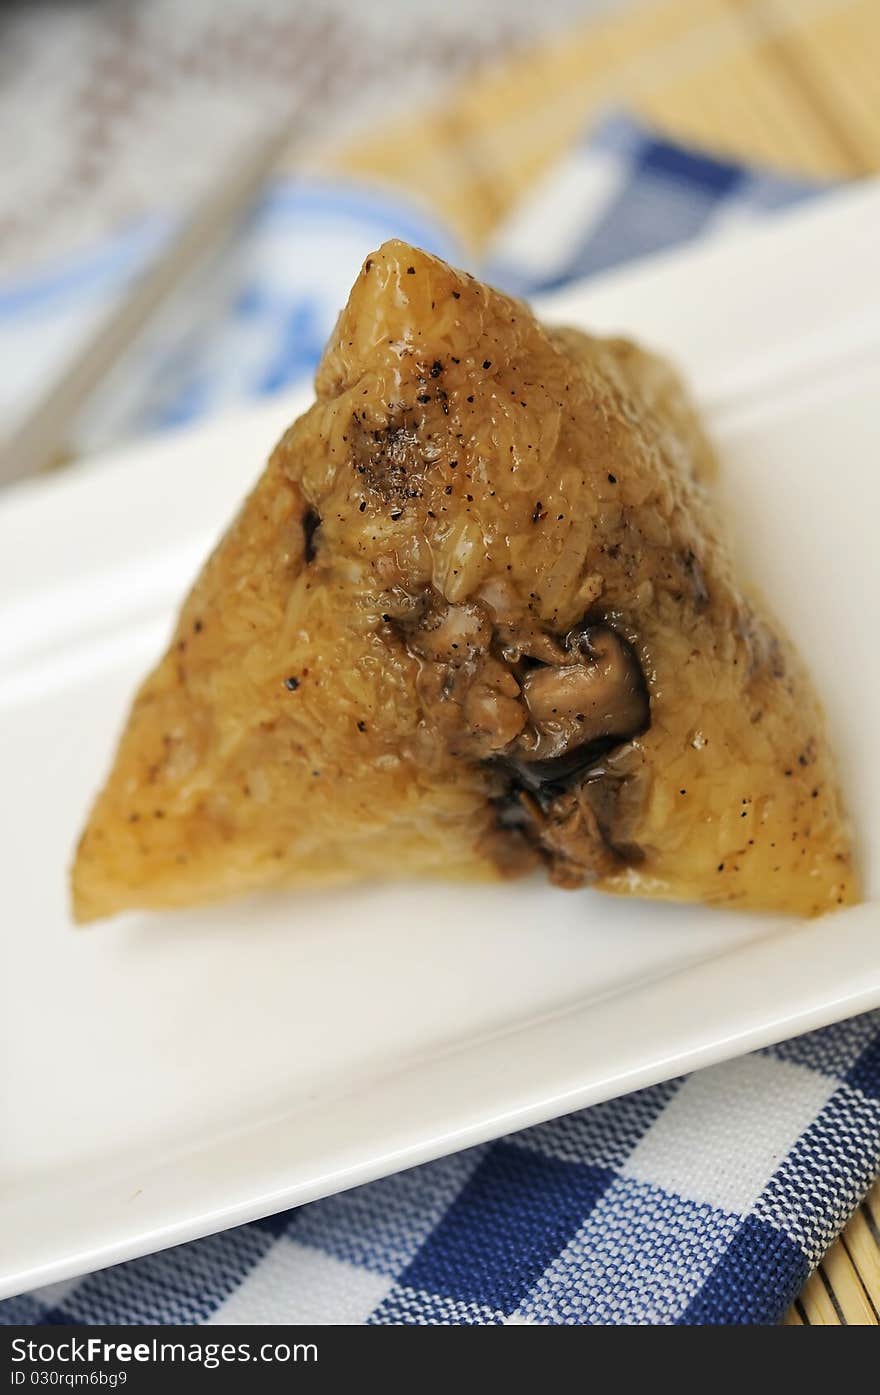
(476, 617)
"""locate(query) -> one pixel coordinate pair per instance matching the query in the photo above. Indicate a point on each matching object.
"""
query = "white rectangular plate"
(166, 1076)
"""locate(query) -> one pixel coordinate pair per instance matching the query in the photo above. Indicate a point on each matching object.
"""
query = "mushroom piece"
(450, 634)
(530, 643)
(493, 709)
(600, 694)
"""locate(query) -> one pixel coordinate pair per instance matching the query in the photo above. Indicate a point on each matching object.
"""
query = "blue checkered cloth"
(703, 1200)
(706, 1199)
(625, 193)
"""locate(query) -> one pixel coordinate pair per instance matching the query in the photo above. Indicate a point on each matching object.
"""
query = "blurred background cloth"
(458, 129)
(114, 120)
(110, 111)
(257, 316)
(113, 109)
(116, 116)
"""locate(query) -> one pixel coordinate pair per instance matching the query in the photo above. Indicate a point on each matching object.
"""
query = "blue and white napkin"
(706, 1199)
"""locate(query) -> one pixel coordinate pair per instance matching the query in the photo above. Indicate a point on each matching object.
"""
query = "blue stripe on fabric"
(24, 1310)
(510, 1220)
(382, 1226)
(279, 1224)
(407, 1307)
(865, 1072)
(648, 215)
(698, 172)
(830, 1167)
(756, 1281)
(668, 196)
(833, 1051)
(605, 1134)
(638, 1259)
(183, 1285)
(112, 264)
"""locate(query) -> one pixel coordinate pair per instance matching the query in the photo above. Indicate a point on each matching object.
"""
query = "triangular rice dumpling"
(475, 618)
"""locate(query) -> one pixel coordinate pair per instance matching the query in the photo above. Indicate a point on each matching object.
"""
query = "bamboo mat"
(788, 83)
(793, 84)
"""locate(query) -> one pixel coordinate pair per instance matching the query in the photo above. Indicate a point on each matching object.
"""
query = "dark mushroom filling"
(572, 784)
(550, 717)
(579, 709)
